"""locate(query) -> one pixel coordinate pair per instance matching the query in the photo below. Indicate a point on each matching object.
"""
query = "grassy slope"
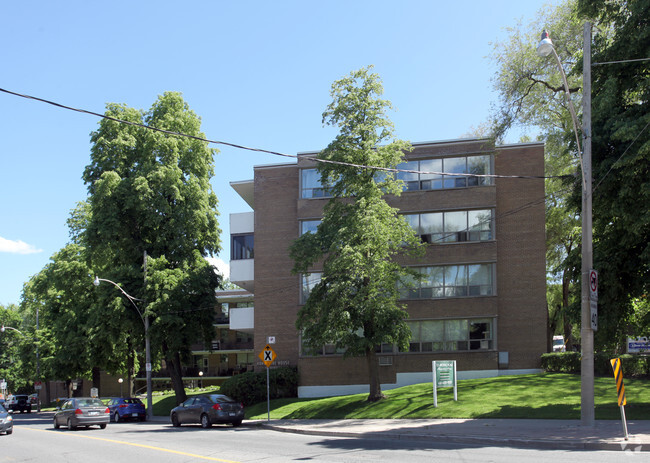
(540, 396)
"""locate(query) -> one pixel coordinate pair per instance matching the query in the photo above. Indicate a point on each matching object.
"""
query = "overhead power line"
(275, 153)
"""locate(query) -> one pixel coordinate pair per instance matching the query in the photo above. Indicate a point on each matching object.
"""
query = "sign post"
(620, 390)
(444, 375)
(268, 357)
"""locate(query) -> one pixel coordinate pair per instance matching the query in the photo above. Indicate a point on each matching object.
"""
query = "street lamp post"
(121, 381)
(588, 320)
(145, 321)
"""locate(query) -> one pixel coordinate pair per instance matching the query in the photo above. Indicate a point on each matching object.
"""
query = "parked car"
(19, 402)
(82, 411)
(122, 409)
(6, 421)
(207, 410)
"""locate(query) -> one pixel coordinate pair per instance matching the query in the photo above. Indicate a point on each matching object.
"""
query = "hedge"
(250, 387)
(634, 366)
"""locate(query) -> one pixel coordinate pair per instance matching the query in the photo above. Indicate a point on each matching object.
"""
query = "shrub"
(634, 366)
(561, 362)
(250, 387)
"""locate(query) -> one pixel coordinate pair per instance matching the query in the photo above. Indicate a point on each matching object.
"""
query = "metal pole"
(624, 421)
(587, 410)
(38, 367)
(147, 348)
(268, 396)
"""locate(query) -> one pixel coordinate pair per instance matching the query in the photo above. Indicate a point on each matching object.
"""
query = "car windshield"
(132, 401)
(90, 403)
(2, 409)
(221, 398)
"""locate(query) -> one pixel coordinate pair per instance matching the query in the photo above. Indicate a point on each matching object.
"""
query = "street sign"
(38, 385)
(267, 356)
(620, 391)
(593, 285)
(594, 315)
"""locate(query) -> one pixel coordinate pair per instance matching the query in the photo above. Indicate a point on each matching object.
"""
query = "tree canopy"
(354, 306)
(151, 207)
(621, 163)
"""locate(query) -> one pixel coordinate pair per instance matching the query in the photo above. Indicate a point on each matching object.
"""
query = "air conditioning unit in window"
(385, 361)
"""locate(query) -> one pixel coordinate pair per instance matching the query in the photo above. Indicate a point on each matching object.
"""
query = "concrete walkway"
(546, 434)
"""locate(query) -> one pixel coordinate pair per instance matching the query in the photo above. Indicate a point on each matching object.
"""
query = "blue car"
(129, 408)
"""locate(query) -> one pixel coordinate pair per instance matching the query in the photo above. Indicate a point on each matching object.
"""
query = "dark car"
(82, 411)
(19, 403)
(129, 408)
(208, 410)
(6, 421)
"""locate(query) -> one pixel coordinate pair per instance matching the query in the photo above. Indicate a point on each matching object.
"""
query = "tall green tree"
(532, 97)
(11, 360)
(354, 306)
(621, 162)
(70, 342)
(150, 194)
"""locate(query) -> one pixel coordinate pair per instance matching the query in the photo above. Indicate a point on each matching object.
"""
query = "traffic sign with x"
(267, 356)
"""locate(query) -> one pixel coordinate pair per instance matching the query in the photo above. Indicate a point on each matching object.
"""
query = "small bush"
(561, 362)
(250, 387)
(634, 366)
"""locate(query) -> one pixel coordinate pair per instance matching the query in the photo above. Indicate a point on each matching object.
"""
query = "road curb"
(542, 444)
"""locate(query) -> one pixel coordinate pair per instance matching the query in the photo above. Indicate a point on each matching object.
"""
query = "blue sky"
(258, 73)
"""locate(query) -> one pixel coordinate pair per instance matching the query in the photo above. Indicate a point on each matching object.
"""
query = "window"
(449, 281)
(311, 186)
(309, 280)
(429, 174)
(242, 247)
(451, 335)
(452, 227)
(309, 226)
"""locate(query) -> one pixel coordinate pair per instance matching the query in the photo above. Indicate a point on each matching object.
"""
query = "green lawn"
(539, 396)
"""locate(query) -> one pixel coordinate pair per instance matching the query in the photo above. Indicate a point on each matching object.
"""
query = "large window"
(453, 226)
(451, 335)
(311, 186)
(433, 174)
(242, 247)
(309, 280)
(449, 281)
(309, 226)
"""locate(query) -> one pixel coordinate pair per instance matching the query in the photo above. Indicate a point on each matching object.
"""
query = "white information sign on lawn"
(444, 375)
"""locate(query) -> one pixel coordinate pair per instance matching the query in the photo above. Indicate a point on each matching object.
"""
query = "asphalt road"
(35, 440)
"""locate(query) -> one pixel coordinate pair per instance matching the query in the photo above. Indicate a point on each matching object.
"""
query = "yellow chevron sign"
(618, 376)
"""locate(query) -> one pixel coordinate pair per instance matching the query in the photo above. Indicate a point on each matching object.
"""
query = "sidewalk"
(543, 434)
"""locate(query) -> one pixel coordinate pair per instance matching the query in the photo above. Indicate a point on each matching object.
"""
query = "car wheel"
(10, 431)
(102, 426)
(205, 421)
(175, 421)
(116, 417)
(70, 424)
(236, 423)
(56, 425)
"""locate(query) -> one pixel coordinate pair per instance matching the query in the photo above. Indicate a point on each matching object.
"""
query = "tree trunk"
(567, 328)
(173, 360)
(373, 376)
(97, 377)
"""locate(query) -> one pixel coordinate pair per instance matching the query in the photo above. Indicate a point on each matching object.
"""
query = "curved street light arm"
(4, 328)
(128, 296)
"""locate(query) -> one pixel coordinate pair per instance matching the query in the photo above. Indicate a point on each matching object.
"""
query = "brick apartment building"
(483, 300)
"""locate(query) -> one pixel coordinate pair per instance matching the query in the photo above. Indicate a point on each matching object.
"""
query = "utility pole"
(587, 409)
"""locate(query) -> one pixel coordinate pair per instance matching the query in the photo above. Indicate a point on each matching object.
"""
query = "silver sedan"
(82, 411)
